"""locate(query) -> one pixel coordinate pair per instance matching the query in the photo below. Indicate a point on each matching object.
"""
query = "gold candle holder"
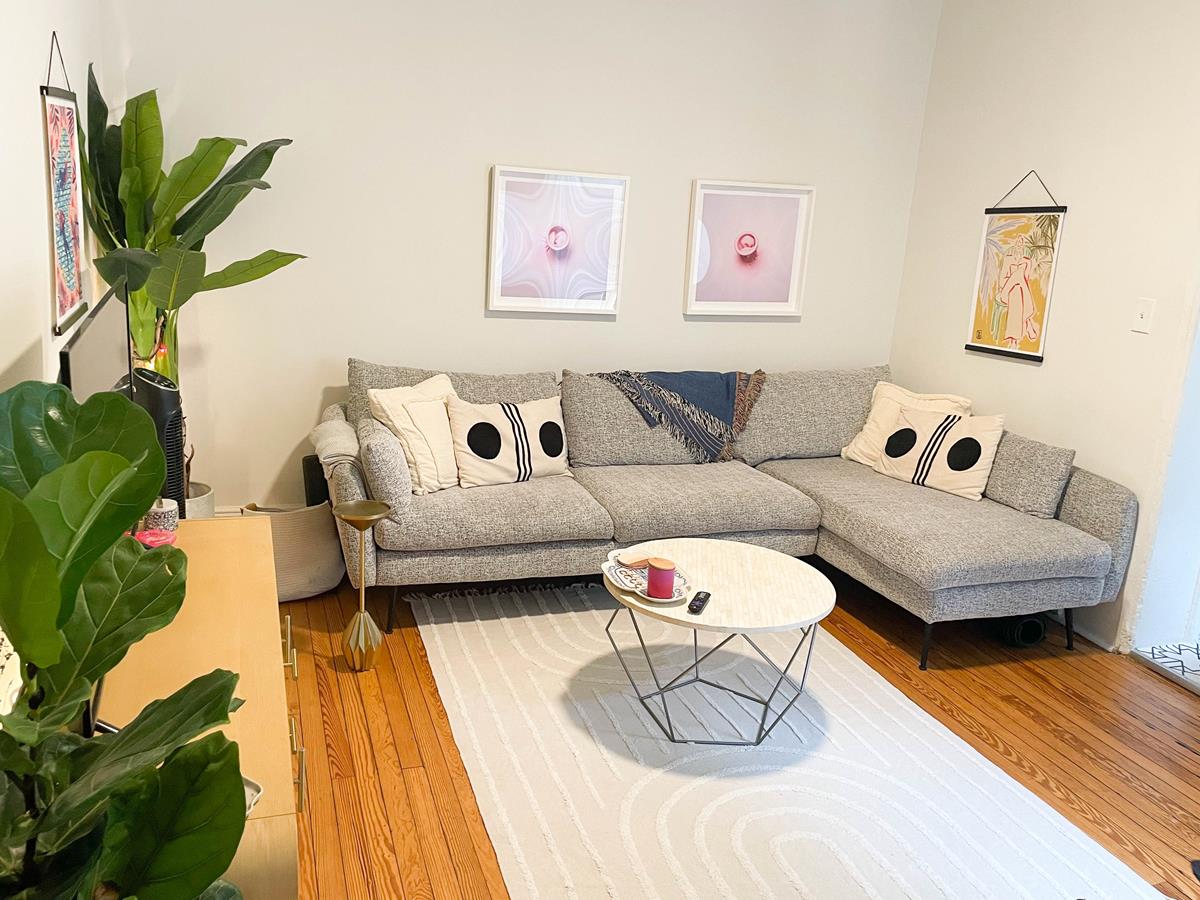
(361, 639)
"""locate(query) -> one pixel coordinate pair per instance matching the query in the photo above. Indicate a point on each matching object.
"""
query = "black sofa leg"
(1069, 621)
(925, 645)
(391, 622)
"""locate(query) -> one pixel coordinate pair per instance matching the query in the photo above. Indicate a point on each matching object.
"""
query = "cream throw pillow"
(417, 416)
(886, 402)
(502, 443)
(945, 451)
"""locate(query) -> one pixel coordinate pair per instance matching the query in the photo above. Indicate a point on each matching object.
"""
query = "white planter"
(308, 554)
(201, 503)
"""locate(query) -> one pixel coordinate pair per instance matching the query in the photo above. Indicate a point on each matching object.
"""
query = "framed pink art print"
(748, 248)
(556, 241)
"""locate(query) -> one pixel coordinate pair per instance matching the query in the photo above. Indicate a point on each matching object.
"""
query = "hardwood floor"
(391, 813)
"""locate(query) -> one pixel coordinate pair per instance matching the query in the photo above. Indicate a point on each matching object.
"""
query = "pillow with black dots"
(949, 452)
(504, 443)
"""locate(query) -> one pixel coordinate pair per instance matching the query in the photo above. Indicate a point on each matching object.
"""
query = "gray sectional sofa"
(939, 556)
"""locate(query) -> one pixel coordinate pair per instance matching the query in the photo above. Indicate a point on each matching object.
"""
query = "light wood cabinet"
(230, 620)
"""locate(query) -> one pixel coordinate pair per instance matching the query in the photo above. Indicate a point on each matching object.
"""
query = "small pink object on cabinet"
(660, 578)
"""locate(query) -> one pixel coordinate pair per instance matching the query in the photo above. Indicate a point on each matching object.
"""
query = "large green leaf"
(32, 727)
(178, 830)
(250, 167)
(133, 201)
(71, 873)
(109, 180)
(228, 197)
(82, 508)
(14, 757)
(142, 140)
(189, 177)
(248, 269)
(42, 427)
(131, 264)
(29, 594)
(143, 323)
(13, 816)
(97, 126)
(129, 592)
(179, 277)
(158, 730)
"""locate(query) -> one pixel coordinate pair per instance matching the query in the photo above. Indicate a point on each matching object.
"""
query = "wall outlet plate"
(1143, 315)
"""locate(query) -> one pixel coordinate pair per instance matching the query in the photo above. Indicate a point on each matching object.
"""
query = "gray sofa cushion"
(1029, 476)
(473, 388)
(936, 539)
(800, 415)
(648, 502)
(383, 464)
(530, 512)
(605, 429)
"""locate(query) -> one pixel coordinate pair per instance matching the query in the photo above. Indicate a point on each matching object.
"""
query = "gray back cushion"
(605, 429)
(473, 388)
(1029, 476)
(803, 415)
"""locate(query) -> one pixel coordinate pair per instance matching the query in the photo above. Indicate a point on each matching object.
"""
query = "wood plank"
(394, 700)
(396, 802)
(349, 827)
(450, 813)
(442, 871)
(485, 852)
(368, 800)
(319, 817)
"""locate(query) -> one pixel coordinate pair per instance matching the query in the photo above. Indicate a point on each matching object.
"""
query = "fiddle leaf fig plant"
(152, 224)
(155, 810)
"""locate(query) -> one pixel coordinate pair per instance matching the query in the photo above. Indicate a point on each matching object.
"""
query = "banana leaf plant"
(151, 223)
(154, 810)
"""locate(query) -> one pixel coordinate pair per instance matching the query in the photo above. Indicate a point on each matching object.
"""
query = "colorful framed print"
(60, 122)
(556, 241)
(1014, 278)
(748, 248)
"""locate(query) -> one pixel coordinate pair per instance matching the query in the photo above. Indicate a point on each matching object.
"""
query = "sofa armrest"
(345, 484)
(334, 413)
(384, 464)
(1108, 511)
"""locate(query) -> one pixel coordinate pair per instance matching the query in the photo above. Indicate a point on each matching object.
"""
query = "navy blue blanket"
(705, 411)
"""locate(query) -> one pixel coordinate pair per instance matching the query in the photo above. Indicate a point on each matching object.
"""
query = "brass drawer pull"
(302, 781)
(295, 741)
(294, 664)
(287, 636)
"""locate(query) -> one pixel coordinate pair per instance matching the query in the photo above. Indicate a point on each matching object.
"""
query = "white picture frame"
(748, 248)
(556, 241)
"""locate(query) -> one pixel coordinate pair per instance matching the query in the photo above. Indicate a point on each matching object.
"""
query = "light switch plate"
(1143, 315)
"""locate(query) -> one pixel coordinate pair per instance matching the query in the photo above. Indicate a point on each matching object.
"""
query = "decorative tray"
(634, 581)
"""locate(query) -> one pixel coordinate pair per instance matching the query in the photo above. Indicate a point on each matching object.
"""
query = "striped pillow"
(503, 443)
(949, 452)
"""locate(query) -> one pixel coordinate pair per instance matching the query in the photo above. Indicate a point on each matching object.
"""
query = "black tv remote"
(699, 602)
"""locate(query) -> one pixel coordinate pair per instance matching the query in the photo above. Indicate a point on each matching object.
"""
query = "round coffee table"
(754, 590)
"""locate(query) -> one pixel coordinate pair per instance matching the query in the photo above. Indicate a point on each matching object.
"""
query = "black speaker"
(159, 396)
(316, 488)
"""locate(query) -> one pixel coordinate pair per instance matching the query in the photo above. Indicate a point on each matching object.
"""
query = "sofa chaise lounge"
(939, 556)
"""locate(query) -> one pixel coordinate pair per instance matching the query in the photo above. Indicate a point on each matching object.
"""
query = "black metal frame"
(807, 634)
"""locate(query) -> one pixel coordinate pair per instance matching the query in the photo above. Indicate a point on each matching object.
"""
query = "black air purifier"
(159, 396)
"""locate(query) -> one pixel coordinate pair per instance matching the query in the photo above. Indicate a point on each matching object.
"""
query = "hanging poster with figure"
(1014, 279)
(61, 117)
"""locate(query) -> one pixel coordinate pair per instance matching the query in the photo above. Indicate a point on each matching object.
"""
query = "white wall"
(398, 110)
(1096, 97)
(27, 349)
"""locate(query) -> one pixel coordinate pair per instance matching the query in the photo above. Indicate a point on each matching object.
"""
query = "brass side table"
(361, 639)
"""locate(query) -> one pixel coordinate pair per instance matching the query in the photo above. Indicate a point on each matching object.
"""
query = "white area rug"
(857, 793)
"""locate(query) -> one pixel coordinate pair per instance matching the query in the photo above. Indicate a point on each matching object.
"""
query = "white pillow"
(886, 402)
(502, 443)
(945, 451)
(417, 416)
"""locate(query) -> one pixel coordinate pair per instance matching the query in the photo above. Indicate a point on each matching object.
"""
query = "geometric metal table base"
(681, 680)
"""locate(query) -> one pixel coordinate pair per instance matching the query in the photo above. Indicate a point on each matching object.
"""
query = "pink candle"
(660, 578)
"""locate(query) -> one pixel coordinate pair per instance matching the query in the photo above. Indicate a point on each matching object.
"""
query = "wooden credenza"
(229, 620)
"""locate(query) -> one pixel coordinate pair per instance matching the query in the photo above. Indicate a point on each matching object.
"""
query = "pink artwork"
(66, 205)
(749, 246)
(556, 241)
